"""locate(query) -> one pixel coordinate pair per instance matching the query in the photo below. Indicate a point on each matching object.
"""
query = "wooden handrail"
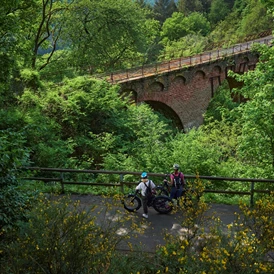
(121, 182)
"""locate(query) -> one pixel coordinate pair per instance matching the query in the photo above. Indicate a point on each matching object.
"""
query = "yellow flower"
(180, 260)
(250, 250)
(226, 252)
(262, 267)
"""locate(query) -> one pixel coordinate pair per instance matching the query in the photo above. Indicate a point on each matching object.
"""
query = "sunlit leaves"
(256, 143)
(101, 33)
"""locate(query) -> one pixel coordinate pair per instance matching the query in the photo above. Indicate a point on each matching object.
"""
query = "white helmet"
(176, 166)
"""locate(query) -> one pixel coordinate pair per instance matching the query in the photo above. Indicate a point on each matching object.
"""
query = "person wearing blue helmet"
(145, 186)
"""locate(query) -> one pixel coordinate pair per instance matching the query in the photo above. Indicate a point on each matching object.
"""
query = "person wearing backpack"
(147, 188)
(177, 182)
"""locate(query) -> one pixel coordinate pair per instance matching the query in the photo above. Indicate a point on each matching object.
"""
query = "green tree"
(46, 24)
(144, 142)
(40, 24)
(218, 11)
(76, 121)
(179, 26)
(194, 152)
(255, 11)
(164, 9)
(13, 155)
(8, 42)
(144, 4)
(30, 28)
(256, 145)
(186, 46)
(239, 5)
(173, 27)
(102, 34)
(189, 6)
(269, 4)
(243, 14)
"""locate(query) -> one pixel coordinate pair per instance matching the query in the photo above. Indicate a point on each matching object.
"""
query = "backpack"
(177, 180)
(148, 191)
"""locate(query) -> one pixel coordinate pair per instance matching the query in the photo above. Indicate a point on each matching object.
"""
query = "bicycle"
(161, 203)
(164, 188)
(189, 193)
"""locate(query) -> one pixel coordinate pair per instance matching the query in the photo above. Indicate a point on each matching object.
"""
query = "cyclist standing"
(177, 182)
(147, 188)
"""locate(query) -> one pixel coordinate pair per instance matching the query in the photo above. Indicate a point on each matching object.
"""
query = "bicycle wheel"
(161, 191)
(162, 204)
(132, 202)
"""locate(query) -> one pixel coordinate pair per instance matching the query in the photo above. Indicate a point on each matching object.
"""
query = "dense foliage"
(68, 118)
(57, 110)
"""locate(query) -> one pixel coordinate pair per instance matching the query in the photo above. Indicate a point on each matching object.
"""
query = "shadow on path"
(155, 226)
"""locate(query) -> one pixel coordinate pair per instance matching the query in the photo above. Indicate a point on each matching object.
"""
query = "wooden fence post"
(61, 181)
(121, 182)
(252, 194)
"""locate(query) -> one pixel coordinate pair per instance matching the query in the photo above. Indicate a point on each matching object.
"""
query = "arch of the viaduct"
(183, 95)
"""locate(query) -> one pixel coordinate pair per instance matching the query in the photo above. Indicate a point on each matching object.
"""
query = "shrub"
(244, 246)
(13, 154)
(61, 237)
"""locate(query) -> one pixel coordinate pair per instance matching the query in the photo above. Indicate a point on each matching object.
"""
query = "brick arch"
(200, 74)
(156, 87)
(243, 65)
(167, 111)
(179, 80)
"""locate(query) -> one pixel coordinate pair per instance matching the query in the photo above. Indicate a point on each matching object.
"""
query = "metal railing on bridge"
(148, 70)
(121, 183)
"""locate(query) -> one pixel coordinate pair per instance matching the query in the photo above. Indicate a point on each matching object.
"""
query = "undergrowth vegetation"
(60, 235)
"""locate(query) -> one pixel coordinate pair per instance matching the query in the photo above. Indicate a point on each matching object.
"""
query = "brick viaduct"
(183, 93)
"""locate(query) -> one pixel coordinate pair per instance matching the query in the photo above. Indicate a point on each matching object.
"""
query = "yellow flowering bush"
(62, 237)
(59, 236)
(245, 246)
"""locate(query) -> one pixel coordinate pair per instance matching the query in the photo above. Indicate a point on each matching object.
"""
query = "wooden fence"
(121, 183)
